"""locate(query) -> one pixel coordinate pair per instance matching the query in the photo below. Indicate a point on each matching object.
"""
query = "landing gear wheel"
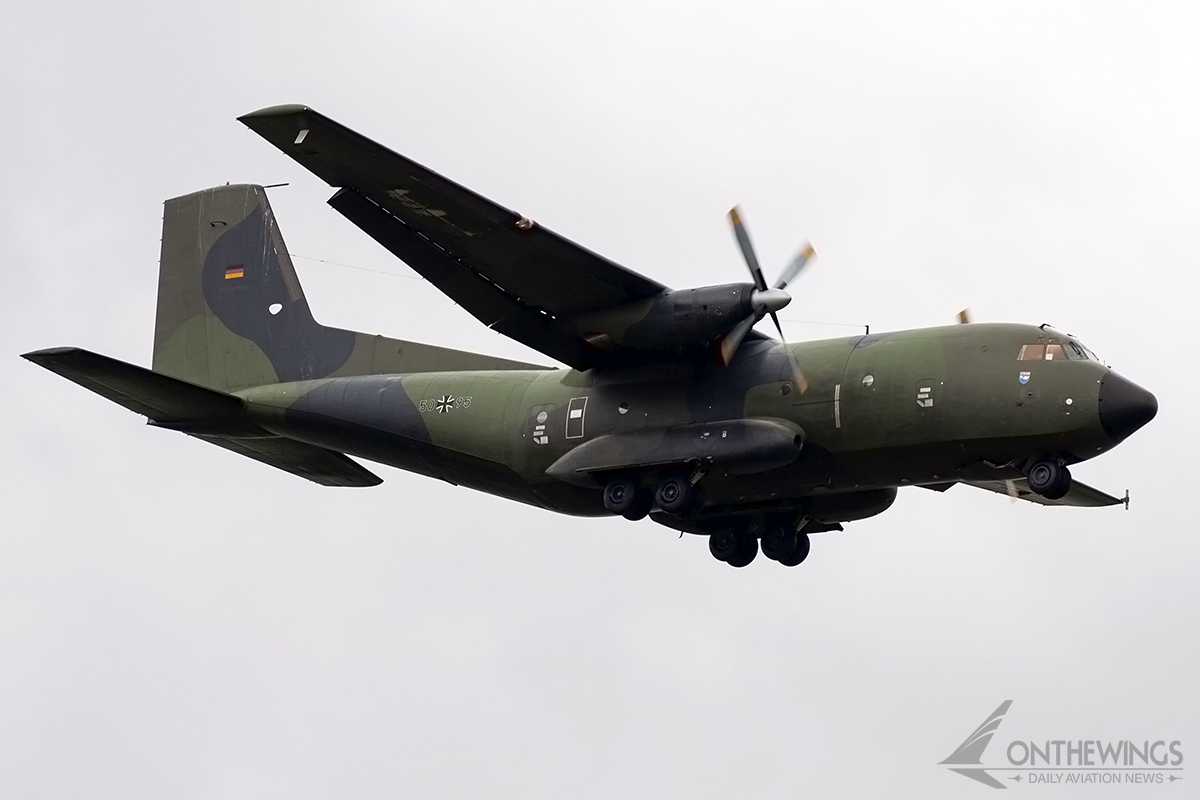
(642, 502)
(621, 496)
(745, 553)
(1049, 479)
(724, 544)
(675, 494)
(778, 543)
(803, 544)
(785, 546)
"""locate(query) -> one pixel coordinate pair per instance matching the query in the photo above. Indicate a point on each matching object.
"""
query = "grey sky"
(177, 621)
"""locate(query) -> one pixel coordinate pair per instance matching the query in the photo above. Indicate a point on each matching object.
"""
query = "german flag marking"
(234, 272)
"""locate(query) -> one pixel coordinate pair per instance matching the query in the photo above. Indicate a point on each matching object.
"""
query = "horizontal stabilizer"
(1081, 495)
(160, 397)
(207, 414)
(326, 467)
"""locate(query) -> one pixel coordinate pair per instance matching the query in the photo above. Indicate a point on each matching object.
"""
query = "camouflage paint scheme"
(240, 362)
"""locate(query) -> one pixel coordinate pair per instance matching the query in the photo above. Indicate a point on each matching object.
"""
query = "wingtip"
(270, 112)
(46, 354)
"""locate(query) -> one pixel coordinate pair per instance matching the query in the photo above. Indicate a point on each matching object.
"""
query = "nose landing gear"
(1049, 479)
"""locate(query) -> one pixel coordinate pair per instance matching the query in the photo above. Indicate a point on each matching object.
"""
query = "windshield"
(1055, 350)
(1079, 350)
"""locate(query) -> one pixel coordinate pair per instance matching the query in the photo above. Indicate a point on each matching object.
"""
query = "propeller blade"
(732, 340)
(964, 317)
(778, 327)
(797, 376)
(743, 240)
(805, 255)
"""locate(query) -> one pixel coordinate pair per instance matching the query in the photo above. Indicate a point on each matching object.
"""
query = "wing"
(515, 276)
(1081, 495)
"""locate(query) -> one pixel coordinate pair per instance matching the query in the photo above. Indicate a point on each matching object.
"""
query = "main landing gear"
(786, 546)
(625, 495)
(737, 547)
(1049, 479)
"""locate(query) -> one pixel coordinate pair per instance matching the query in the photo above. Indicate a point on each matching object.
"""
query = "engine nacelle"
(672, 319)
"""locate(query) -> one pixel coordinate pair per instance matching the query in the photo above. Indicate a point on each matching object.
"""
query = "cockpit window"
(1055, 351)
(1079, 350)
(1032, 352)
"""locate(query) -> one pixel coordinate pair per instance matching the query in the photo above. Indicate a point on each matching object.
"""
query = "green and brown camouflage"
(648, 422)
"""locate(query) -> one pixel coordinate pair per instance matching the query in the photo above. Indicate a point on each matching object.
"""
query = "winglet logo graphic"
(970, 751)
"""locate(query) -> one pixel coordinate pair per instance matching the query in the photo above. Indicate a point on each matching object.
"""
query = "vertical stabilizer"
(231, 313)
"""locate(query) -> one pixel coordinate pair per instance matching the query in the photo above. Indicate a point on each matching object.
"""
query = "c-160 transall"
(673, 406)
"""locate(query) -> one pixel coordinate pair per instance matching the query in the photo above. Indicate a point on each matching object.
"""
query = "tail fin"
(232, 315)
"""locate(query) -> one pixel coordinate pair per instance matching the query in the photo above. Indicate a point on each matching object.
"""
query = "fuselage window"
(1032, 352)
(1054, 352)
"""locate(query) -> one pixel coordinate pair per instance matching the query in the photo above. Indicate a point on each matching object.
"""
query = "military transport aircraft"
(673, 406)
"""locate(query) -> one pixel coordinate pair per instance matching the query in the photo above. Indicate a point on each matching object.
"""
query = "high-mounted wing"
(1080, 494)
(515, 276)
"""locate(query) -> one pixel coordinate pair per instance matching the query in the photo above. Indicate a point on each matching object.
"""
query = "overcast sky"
(176, 621)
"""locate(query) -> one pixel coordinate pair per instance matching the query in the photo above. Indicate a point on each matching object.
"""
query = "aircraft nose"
(1124, 406)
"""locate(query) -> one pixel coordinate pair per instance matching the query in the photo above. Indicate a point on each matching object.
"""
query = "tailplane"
(215, 417)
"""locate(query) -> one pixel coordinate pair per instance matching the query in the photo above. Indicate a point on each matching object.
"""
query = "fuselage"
(880, 411)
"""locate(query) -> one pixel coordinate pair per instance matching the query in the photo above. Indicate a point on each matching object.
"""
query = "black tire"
(621, 495)
(675, 494)
(778, 543)
(725, 544)
(1049, 480)
(642, 503)
(803, 545)
(745, 553)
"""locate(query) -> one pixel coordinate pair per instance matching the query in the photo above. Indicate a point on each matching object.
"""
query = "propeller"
(764, 300)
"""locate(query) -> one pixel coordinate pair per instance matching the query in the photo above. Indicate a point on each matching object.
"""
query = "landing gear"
(785, 546)
(735, 548)
(626, 497)
(1049, 479)
(675, 494)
